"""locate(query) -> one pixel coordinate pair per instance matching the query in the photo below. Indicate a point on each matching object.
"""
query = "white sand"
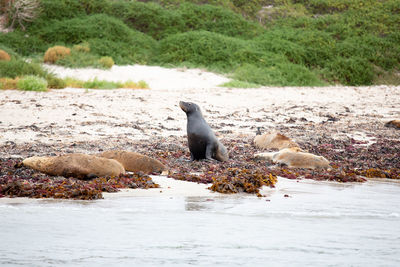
(70, 115)
(155, 77)
(73, 115)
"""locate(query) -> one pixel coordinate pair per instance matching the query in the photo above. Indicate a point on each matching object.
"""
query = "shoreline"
(171, 188)
(150, 121)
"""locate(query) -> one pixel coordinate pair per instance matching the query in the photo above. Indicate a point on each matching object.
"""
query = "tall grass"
(301, 42)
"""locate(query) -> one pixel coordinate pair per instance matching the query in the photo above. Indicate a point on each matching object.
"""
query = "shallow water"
(319, 224)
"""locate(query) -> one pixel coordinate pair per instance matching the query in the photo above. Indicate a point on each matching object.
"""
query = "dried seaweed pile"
(351, 161)
(19, 181)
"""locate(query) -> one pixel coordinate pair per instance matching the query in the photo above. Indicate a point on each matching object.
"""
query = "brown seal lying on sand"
(76, 165)
(135, 162)
(294, 158)
(203, 144)
(273, 140)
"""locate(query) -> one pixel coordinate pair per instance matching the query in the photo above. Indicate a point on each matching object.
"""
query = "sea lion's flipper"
(209, 151)
(191, 156)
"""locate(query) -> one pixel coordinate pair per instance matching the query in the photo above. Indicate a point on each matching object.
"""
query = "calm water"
(320, 224)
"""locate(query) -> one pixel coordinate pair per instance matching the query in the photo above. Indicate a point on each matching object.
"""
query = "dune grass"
(292, 42)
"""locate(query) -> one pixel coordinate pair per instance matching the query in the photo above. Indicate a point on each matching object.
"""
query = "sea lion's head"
(189, 107)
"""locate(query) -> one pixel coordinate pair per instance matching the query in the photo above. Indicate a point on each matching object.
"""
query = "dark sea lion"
(203, 144)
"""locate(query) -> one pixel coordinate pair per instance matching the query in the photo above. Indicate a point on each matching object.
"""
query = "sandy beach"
(89, 121)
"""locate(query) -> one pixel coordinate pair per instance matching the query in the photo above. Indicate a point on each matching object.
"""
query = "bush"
(74, 83)
(211, 49)
(21, 12)
(280, 75)
(125, 52)
(4, 56)
(78, 30)
(83, 47)
(8, 83)
(149, 18)
(217, 19)
(350, 71)
(78, 59)
(55, 82)
(22, 43)
(106, 62)
(106, 36)
(53, 54)
(18, 67)
(100, 84)
(32, 83)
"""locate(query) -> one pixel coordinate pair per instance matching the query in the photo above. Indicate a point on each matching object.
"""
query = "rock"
(294, 158)
(135, 162)
(76, 165)
(274, 140)
(393, 123)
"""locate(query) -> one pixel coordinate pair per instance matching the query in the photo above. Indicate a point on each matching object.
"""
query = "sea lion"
(273, 140)
(203, 144)
(294, 158)
(77, 165)
(135, 162)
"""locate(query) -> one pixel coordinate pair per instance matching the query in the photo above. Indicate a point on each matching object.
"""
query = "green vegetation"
(100, 84)
(240, 84)
(17, 67)
(32, 83)
(286, 43)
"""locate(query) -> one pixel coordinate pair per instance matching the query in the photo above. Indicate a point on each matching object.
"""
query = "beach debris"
(238, 180)
(351, 161)
(273, 140)
(294, 158)
(135, 162)
(17, 180)
(76, 165)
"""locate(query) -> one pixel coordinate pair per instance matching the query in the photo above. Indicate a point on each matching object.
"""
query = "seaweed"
(19, 181)
(351, 161)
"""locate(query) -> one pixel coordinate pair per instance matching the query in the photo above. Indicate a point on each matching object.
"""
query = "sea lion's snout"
(185, 106)
(182, 105)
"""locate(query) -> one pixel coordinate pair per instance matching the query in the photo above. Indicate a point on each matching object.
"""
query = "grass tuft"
(53, 54)
(32, 83)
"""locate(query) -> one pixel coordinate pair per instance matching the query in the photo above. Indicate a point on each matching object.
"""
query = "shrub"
(83, 47)
(78, 59)
(22, 43)
(280, 75)
(125, 52)
(217, 19)
(106, 62)
(204, 48)
(149, 18)
(18, 67)
(32, 83)
(53, 54)
(100, 84)
(143, 85)
(55, 82)
(74, 83)
(349, 71)
(8, 83)
(21, 12)
(80, 29)
(4, 56)
(107, 36)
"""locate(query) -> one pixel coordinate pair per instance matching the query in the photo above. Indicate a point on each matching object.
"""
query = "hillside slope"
(296, 43)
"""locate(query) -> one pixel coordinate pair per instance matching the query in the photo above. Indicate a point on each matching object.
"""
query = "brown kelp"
(19, 181)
